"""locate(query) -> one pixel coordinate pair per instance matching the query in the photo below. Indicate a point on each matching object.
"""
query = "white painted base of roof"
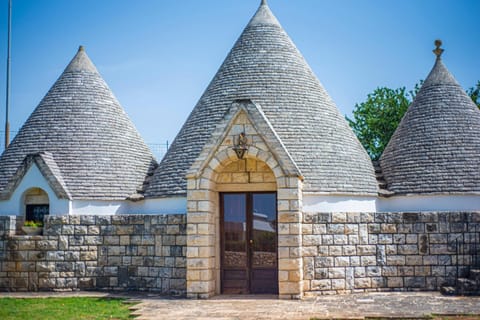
(416, 203)
(174, 205)
(338, 203)
(411, 203)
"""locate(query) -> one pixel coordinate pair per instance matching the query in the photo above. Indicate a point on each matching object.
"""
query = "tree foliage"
(375, 120)
(474, 93)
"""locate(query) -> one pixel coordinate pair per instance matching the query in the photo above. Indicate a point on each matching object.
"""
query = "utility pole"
(7, 106)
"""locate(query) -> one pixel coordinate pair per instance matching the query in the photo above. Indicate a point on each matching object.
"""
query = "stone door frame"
(203, 216)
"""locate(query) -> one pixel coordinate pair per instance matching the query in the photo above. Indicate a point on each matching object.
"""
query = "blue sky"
(158, 56)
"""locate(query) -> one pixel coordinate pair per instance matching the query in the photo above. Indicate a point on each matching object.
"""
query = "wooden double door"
(249, 243)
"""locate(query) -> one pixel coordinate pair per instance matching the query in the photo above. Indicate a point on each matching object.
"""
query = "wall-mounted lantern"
(240, 146)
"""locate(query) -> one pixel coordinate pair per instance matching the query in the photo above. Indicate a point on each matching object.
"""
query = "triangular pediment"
(244, 116)
(47, 167)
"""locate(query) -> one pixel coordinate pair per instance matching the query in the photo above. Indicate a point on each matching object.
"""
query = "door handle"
(251, 241)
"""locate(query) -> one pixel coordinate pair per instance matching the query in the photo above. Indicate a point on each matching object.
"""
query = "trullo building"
(264, 190)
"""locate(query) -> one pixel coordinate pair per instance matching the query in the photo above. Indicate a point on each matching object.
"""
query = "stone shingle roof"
(436, 147)
(266, 67)
(84, 137)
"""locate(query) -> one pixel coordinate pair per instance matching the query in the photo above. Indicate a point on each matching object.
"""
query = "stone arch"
(203, 219)
(35, 204)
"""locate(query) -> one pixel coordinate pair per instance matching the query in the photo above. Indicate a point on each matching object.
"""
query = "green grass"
(80, 308)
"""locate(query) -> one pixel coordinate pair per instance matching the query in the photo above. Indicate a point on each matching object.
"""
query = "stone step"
(448, 291)
(467, 287)
(475, 275)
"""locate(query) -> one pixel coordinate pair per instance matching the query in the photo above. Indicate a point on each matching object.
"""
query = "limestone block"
(93, 240)
(289, 217)
(319, 228)
(349, 250)
(283, 252)
(342, 261)
(422, 271)
(321, 285)
(408, 249)
(355, 261)
(412, 238)
(338, 284)
(339, 217)
(283, 276)
(47, 245)
(368, 260)
(205, 229)
(351, 229)
(200, 240)
(335, 250)
(200, 217)
(336, 228)
(200, 287)
(388, 228)
(362, 283)
(283, 228)
(312, 240)
(289, 264)
(270, 177)
(288, 194)
(340, 239)
(385, 239)
(406, 271)
(373, 271)
(294, 276)
(324, 262)
(309, 251)
(336, 273)
(289, 288)
(199, 195)
(396, 260)
(414, 282)
(414, 260)
(80, 230)
(288, 240)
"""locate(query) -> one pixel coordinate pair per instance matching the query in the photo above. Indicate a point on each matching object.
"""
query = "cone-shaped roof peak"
(263, 16)
(436, 147)
(98, 151)
(265, 67)
(81, 62)
(440, 75)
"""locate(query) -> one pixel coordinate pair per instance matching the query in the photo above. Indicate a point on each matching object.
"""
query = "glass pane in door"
(264, 230)
(264, 277)
(234, 238)
(235, 230)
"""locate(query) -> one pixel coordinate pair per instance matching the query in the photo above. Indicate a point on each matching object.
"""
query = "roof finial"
(264, 3)
(81, 48)
(438, 51)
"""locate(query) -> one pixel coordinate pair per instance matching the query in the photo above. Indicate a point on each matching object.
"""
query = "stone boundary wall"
(354, 252)
(121, 252)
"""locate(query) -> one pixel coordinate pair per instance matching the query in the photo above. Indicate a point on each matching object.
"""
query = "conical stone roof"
(436, 147)
(80, 124)
(266, 67)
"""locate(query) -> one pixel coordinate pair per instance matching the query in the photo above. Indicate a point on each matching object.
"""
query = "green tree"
(375, 120)
(474, 93)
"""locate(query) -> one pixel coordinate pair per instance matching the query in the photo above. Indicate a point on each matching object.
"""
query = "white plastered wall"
(33, 178)
(338, 203)
(174, 205)
(410, 203)
(418, 203)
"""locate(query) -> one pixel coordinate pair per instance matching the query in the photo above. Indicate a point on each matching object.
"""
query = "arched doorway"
(36, 204)
(248, 227)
